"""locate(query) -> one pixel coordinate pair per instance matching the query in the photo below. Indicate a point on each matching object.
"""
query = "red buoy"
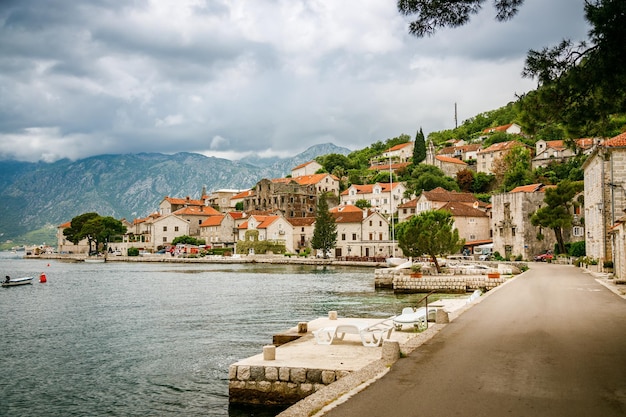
(42, 278)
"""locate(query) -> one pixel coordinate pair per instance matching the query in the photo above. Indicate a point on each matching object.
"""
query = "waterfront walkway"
(551, 342)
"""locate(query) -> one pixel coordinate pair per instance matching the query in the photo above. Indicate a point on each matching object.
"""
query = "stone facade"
(513, 234)
(290, 198)
(605, 195)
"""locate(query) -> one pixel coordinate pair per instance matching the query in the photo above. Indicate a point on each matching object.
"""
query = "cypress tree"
(325, 232)
(419, 150)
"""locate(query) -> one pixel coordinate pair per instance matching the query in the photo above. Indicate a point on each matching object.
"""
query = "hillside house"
(195, 215)
(395, 158)
(449, 165)
(361, 233)
(307, 168)
(461, 152)
(170, 204)
(605, 196)
(222, 200)
(384, 197)
(472, 223)
(323, 183)
(511, 129)
(487, 157)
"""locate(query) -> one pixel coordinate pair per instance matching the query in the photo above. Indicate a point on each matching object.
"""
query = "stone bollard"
(332, 315)
(391, 351)
(303, 327)
(269, 353)
(442, 317)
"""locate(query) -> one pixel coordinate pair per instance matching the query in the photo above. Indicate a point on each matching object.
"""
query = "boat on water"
(392, 262)
(95, 260)
(13, 282)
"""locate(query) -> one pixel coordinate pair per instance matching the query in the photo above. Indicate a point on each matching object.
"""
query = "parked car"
(544, 257)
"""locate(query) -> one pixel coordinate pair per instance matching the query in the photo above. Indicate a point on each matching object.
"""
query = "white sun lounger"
(371, 335)
(413, 317)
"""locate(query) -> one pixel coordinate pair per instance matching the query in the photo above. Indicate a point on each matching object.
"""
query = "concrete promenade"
(552, 342)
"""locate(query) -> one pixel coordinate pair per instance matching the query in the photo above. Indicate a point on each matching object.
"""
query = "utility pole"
(455, 117)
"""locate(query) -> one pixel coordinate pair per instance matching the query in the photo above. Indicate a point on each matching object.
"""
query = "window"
(578, 231)
(370, 223)
(165, 228)
(164, 239)
(343, 236)
(371, 236)
(176, 228)
(512, 231)
(353, 236)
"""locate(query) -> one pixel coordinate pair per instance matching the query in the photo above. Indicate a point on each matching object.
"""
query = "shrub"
(577, 249)
(133, 251)
(607, 264)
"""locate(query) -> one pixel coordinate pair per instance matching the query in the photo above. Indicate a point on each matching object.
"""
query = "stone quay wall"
(271, 385)
(401, 281)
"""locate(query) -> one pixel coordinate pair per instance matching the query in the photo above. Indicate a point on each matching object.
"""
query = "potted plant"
(493, 274)
(416, 271)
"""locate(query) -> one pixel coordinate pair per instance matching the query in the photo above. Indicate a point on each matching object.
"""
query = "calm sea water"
(146, 339)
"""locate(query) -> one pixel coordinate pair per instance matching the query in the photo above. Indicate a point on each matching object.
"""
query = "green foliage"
(260, 246)
(362, 204)
(577, 249)
(96, 229)
(325, 232)
(188, 240)
(428, 177)
(239, 206)
(133, 251)
(429, 233)
(431, 15)
(556, 215)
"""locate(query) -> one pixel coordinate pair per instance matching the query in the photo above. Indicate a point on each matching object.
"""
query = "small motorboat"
(13, 282)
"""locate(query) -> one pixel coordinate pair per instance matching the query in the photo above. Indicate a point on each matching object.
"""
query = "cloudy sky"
(228, 78)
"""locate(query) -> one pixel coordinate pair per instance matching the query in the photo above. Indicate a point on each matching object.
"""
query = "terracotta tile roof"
(302, 165)
(212, 221)
(197, 211)
(449, 160)
(409, 204)
(65, 225)
(463, 210)
(242, 194)
(441, 194)
(301, 221)
(182, 201)
(394, 167)
(243, 225)
(502, 128)
(585, 143)
(531, 188)
(501, 146)
(556, 144)
(266, 221)
(304, 179)
(236, 214)
(478, 242)
(616, 142)
(368, 188)
(347, 214)
(463, 148)
(398, 147)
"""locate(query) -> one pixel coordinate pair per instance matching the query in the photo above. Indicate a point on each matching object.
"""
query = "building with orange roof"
(511, 129)
(512, 232)
(462, 152)
(362, 233)
(170, 204)
(487, 157)
(394, 158)
(303, 229)
(195, 215)
(307, 168)
(323, 183)
(548, 152)
(384, 197)
(222, 199)
(605, 200)
(273, 228)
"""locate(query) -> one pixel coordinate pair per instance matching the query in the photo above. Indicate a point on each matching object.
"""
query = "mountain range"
(38, 195)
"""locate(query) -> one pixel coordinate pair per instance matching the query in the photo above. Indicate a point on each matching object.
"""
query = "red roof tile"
(616, 142)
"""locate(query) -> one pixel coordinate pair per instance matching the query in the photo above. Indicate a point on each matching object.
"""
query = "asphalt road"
(550, 343)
